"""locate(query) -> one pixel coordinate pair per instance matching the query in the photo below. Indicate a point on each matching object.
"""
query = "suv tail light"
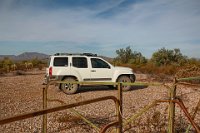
(50, 71)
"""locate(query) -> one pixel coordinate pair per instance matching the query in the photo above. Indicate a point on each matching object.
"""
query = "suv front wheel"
(69, 88)
(124, 79)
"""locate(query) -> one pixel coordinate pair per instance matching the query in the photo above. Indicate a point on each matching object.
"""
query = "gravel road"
(22, 94)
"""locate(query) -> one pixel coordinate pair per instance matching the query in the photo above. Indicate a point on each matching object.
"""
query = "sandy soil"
(23, 93)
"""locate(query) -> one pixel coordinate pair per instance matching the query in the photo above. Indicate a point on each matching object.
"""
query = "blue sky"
(99, 26)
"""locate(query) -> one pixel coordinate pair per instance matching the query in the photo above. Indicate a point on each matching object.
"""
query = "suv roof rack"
(86, 54)
(89, 54)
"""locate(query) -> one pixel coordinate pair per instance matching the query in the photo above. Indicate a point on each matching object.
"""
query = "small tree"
(164, 57)
(125, 56)
(194, 61)
(138, 58)
(37, 62)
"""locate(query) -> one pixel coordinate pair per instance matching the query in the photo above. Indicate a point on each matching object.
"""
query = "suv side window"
(98, 63)
(60, 61)
(79, 62)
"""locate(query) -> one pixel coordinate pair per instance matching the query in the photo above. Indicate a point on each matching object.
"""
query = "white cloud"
(146, 26)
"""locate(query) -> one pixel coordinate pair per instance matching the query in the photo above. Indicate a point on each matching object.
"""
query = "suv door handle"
(93, 70)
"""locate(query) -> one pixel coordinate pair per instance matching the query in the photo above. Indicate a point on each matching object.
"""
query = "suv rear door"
(79, 68)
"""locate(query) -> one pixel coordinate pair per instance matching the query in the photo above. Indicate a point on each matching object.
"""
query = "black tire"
(69, 88)
(124, 79)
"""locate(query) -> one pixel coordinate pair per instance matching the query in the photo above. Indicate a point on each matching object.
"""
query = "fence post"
(44, 126)
(172, 96)
(119, 111)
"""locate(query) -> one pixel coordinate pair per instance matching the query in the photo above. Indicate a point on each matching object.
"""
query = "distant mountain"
(25, 56)
(9, 56)
(33, 55)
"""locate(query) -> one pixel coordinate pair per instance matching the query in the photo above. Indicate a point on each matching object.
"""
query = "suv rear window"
(79, 62)
(60, 61)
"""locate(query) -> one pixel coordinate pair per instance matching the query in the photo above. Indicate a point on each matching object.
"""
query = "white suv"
(85, 67)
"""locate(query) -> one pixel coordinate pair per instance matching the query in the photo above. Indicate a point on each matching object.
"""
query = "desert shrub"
(164, 57)
(1, 71)
(21, 66)
(5, 64)
(37, 63)
(163, 61)
(150, 68)
(193, 62)
(168, 70)
(40, 66)
(189, 71)
(126, 55)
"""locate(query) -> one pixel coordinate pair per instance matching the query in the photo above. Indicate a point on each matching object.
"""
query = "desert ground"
(23, 93)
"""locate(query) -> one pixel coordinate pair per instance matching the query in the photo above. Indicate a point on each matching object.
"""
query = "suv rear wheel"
(69, 88)
(124, 79)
